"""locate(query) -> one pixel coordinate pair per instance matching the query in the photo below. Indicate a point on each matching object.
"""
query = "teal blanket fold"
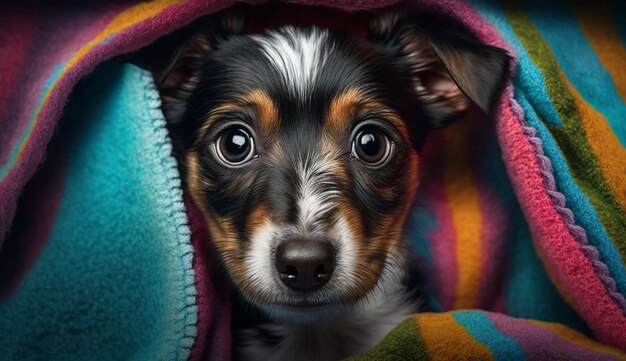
(115, 279)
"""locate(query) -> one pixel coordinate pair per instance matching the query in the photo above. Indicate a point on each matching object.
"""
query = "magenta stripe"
(495, 221)
(13, 53)
(540, 343)
(444, 273)
(213, 336)
(347, 5)
(50, 46)
(493, 256)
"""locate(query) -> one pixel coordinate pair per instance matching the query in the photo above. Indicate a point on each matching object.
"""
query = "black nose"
(305, 264)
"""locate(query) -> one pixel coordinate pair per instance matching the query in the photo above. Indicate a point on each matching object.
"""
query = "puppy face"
(302, 154)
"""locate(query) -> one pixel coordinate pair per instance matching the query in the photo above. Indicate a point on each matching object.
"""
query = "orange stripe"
(124, 20)
(575, 337)
(465, 211)
(595, 22)
(446, 340)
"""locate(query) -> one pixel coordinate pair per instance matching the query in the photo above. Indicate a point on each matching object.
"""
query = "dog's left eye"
(372, 146)
(235, 146)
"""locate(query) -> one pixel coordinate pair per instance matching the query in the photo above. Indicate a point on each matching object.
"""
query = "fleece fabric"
(114, 280)
(521, 214)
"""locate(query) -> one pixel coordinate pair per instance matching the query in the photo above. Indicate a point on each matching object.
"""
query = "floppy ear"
(449, 69)
(176, 60)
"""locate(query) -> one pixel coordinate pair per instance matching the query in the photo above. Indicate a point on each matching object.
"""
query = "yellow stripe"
(575, 337)
(446, 340)
(466, 215)
(595, 22)
(124, 20)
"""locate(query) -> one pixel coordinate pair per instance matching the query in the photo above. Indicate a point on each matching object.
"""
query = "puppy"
(300, 147)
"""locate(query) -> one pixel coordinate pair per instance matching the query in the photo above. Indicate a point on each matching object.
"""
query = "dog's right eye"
(372, 146)
(235, 146)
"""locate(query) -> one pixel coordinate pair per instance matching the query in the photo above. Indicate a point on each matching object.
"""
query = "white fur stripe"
(296, 54)
(317, 191)
(260, 259)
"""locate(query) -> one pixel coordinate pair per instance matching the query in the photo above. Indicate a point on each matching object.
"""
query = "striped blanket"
(521, 217)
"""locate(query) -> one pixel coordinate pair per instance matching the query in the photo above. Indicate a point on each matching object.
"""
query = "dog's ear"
(449, 69)
(176, 60)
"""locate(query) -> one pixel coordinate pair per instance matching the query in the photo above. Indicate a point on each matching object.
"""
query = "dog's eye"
(371, 146)
(235, 146)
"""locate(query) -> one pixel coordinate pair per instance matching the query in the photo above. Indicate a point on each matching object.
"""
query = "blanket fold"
(479, 335)
(114, 279)
(521, 215)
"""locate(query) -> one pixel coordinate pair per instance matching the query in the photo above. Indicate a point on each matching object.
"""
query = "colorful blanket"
(522, 215)
(479, 335)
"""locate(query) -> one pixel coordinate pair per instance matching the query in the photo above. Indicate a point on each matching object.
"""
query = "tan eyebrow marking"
(215, 115)
(350, 103)
(265, 109)
(256, 100)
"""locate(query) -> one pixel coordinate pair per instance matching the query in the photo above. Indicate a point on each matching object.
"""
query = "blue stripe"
(107, 39)
(420, 223)
(484, 331)
(6, 167)
(559, 27)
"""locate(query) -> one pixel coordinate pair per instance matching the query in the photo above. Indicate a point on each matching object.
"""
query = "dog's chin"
(303, 312)
(302, 309)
